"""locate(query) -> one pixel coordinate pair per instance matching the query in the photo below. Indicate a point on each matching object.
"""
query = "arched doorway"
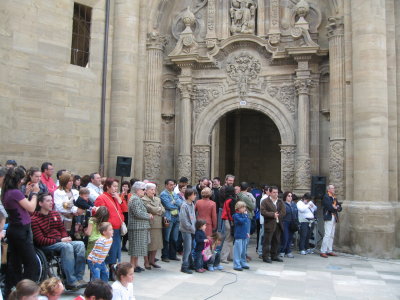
(247, 143)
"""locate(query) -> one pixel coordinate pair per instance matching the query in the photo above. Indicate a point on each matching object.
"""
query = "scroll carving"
(243, 14)
(336, 166)
(152, 155)
(185, 166)
(201, 161)
(243, 69)
(202, 97)
(288, 153)
(285, 94)
(303, 173)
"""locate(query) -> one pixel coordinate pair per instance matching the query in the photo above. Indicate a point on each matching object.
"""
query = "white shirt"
(122, 293)
(305, 211)
(61, 197)
(265, 196)
(95, 191)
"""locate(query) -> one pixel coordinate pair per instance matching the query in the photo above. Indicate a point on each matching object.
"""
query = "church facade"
(273, 91)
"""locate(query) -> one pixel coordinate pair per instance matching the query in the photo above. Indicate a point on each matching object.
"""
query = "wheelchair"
(49, 265)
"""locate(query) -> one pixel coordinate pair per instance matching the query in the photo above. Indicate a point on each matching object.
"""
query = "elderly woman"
(154, 207)
(138, 226)
(110, 199)
(205, 209)
(64, 198)
(33, 177)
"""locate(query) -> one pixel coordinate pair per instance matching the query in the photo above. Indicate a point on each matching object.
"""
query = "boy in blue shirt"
(241, 234)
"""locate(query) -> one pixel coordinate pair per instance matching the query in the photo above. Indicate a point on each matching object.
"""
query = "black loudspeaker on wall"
(318, 186)
(124, 165)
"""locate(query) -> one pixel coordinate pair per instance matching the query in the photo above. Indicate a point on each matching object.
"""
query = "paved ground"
(304, 277)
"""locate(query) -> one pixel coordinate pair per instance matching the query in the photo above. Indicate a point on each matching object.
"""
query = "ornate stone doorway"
(247, 143)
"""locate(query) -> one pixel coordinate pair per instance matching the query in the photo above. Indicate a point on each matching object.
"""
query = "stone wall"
(50, 109)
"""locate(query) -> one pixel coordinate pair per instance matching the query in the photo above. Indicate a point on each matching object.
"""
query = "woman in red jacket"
(112, 201)
(205, 209)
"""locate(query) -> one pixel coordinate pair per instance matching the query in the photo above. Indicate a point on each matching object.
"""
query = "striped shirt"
(100, 250)
(47, 229)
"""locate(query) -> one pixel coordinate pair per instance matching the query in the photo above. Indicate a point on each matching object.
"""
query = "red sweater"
(116, 218)
(47, 229)
(226, 211)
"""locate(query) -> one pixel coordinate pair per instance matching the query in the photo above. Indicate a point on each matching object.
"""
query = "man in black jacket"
(331, 208)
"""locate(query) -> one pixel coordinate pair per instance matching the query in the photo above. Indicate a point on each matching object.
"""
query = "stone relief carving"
(285, 93)
(201, 161)
(293, 11)
(303, 173)
(186, 44)
(288, 153)
(199, 25)
(203, 96)
(242, 69)
(336, 166)
(185, 166)
(156, 41)
(274, 34)
(303, 85)
(152, 155)
(243, 14)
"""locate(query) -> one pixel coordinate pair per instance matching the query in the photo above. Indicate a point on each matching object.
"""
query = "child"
(51, 289)
(25, 289)
(241, 234)
(97, 267)
(187, 219)
(101, 215)
(123, 287)
(214, 261)
(83, 203)
(200, 239)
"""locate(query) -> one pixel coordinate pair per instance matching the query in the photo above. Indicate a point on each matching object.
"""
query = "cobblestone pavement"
(302, 277)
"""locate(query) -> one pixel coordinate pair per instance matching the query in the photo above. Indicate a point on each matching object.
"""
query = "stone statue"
(243, 14)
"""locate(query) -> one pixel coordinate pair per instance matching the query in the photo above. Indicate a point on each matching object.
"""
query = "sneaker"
(219, 267)
(200, 270)
(290, 255)
(82, 283)
(224, 261)
(310, 251)
(282, 254)
(238, 269)
(211, 268)
(302, 252)
(246, 267)
(72, 287)
(187, 271)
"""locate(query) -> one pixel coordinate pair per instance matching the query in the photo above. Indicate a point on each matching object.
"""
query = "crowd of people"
(89, 220)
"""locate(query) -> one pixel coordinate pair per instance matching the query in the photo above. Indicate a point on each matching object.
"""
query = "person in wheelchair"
(50, 234)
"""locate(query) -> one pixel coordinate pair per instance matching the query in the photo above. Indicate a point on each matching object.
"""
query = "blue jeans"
(304, 235)
(214, 260)
(170, 238)
(286, 238)
(220, 222)
(239, 253)
(261, 240)
(114, 254)
(72, 256)
(248, 231)
(98, 271)
(187, 249)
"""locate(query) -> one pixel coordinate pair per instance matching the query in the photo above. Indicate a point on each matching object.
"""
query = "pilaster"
(288, 155)
(201, 161)
(152, 146)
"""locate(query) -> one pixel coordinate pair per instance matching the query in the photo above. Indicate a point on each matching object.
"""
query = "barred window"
(81, 35)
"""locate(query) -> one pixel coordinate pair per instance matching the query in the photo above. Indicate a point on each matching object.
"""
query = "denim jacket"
(171, 203)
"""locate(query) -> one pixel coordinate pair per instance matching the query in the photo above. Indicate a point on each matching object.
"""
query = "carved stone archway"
(276, 111)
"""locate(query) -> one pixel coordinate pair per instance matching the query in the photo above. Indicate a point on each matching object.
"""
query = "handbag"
(207, 252)
(124, 229)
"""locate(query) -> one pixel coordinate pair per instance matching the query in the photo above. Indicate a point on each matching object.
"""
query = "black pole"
(104, 88)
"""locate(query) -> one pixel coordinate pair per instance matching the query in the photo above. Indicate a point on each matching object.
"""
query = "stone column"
(288, 153)
(371, 214)
(184, 164)
(274, 32)
(336, 103)
(152, 143)
(201, 161)
(303, 164)
(123, 82)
